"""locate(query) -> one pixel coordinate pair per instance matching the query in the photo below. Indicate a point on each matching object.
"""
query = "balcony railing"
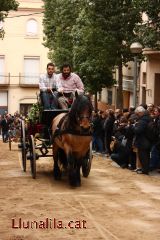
(28, 80)
(4, 79)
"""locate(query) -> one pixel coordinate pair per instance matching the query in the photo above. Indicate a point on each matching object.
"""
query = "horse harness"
(60, 130)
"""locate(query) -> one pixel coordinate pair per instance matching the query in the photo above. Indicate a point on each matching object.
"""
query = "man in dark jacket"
(155, 132)
(97, 133)
(108, 130)
(141, 142)
(5, 127)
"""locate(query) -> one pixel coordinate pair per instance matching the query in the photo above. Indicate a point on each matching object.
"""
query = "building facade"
(22, 57)
(150, 78)
(108, 96)
(148, 82)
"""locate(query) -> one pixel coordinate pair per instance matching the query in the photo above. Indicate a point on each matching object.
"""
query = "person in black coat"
(97, 133)
(141, 142)
(108, 130)
(5, 127)
(155, 151)
(121, 150)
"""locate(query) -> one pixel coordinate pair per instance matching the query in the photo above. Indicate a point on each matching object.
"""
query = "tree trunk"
(95, 102)
(120, 88)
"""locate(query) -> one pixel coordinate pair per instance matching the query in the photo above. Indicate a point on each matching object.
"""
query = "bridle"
(84, 117)
(81, 117)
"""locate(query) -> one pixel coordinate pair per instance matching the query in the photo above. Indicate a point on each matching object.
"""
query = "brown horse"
(71, 139)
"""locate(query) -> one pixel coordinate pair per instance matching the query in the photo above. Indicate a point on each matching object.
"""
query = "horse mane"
(80, 104)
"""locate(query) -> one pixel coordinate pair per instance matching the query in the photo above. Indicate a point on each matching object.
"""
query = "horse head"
(81, 112)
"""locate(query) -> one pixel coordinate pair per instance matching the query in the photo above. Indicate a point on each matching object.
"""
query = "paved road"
(111, 204)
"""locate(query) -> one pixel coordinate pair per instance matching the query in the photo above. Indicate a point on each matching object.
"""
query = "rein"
(83, 117)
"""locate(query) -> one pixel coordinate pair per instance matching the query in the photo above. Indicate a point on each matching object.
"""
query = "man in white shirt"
(69, 83)
(48, 85)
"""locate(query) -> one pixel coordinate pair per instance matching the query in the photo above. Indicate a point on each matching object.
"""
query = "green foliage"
(71, 37)
(90, 57)
(5, 7)
(35, 113)
(118, 20)
(2, 32)
(59, 18)
(149, 31)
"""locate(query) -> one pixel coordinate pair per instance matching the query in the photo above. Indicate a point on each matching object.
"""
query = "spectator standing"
(5, 127)
(108, 130)
(0, 124)
(155, 151)
(97, 133)
(141, 141)
(150, 109)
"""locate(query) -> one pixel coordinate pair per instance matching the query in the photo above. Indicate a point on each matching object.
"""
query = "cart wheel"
(23, 145)
(87, 162)
(32, 156)
(10, 142)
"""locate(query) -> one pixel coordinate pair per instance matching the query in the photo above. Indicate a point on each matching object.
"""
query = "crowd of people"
(130, 137)
(10, 126)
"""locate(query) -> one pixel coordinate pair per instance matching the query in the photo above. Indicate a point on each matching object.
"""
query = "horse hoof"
(57, 175)
(78, 184)
(75, 184)
(57, 178)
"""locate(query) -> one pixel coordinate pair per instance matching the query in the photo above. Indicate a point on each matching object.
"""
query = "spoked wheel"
(10, 142)
(87, 162)
(22, 145)
(32, 156)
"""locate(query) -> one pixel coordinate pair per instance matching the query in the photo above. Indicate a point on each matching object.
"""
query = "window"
(156, 88)
(32, 27)
(2, 77)
(31, 70)
(3, 102)
(109, 97)
(144, 78)
(25, 108)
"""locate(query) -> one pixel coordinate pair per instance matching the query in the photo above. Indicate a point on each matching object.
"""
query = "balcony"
(28, 80)
(4, 80)
(151, 53)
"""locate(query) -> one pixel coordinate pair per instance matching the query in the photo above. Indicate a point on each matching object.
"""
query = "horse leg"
(74, 172)
(56, 171)
(75, 177)
(78, 176)
(71, 170)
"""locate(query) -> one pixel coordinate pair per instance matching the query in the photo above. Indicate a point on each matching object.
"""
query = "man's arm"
(58, 84)
(79, 84)
(42, 85)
